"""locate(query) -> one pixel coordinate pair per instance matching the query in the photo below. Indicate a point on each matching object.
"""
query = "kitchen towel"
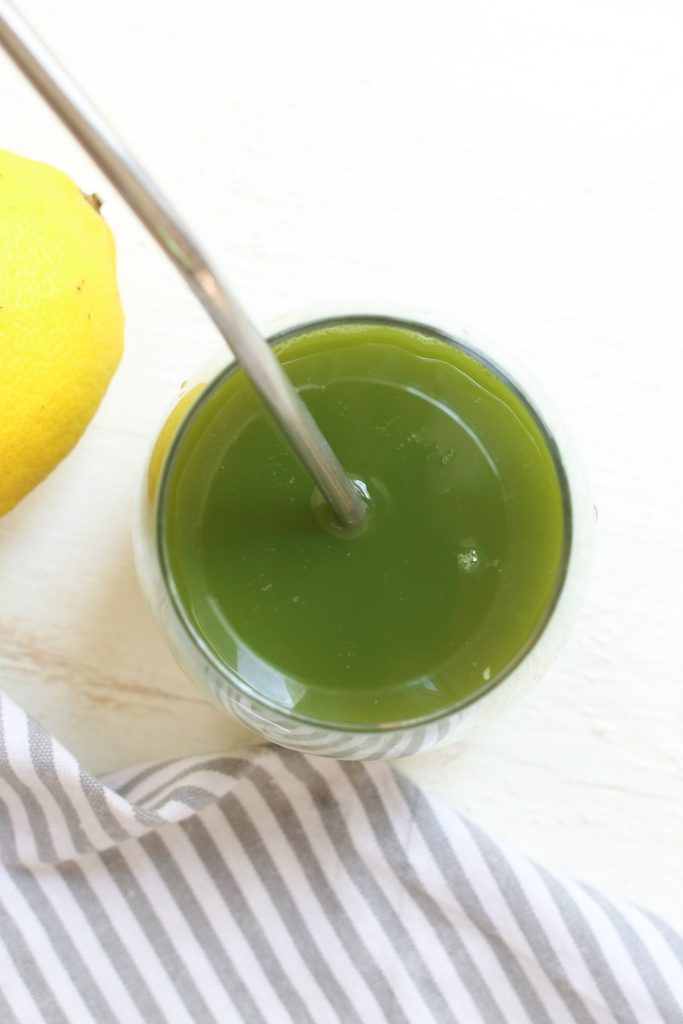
(267, 887)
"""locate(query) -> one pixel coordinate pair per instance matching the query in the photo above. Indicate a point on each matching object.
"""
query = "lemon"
(61, 323)
(166, 436)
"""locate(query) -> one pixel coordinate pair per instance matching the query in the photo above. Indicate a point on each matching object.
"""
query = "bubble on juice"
(327, 519)
(362, 488)
(468, 560)
(375, 499)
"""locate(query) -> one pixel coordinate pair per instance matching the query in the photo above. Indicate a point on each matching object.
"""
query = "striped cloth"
(266, 887)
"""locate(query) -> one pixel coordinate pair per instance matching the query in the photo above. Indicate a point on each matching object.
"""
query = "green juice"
(446, 588)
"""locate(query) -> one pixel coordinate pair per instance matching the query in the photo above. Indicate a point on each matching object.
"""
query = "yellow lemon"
(167, 435)
(61, 323)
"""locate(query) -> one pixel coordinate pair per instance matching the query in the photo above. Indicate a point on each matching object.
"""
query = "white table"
(517, 164)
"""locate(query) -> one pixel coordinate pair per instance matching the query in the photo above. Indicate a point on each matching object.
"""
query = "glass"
(231, 685)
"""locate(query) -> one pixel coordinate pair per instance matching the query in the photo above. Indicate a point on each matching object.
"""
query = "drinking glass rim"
(228, 675)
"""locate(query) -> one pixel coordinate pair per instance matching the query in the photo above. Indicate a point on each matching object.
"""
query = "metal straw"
(161, 220)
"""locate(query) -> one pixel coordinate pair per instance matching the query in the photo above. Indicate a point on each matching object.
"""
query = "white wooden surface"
(520, 164)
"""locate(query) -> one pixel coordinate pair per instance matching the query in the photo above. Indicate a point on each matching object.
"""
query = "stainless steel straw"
(161, 220)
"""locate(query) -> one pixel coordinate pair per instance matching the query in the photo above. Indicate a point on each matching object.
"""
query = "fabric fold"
(267, 886)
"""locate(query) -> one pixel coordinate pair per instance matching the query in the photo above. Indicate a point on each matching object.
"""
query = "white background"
(517, 164)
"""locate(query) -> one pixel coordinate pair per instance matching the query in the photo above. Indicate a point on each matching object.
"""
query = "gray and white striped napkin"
(268, 887)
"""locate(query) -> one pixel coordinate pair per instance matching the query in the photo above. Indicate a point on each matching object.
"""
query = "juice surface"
(449, 583)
